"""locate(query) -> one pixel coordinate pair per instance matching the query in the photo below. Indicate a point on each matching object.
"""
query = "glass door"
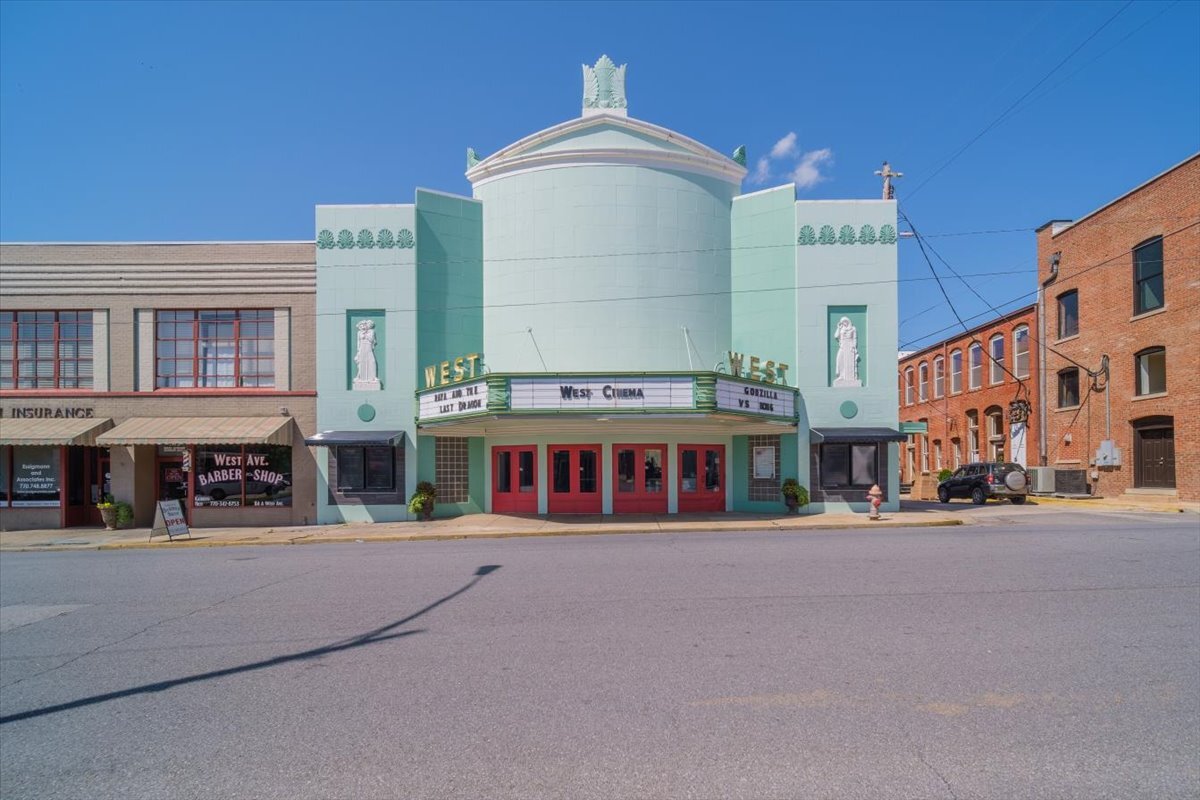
(514, 480)
(701, 477)
(173, 483)
(574, 479)
(639, 479)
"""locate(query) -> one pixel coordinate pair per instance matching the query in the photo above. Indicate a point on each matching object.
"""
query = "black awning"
(349, 438)
(858, 435)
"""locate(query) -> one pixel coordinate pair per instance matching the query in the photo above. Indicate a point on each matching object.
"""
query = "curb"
(432, 537)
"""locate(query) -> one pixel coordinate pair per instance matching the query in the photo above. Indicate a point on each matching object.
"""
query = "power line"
(1020, 297)
(1018, 101)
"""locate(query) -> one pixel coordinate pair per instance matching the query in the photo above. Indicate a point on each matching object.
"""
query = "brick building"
(963, 390)
(157, 371)
(1121, 323)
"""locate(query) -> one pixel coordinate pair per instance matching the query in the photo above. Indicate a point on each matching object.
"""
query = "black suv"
(983, 480)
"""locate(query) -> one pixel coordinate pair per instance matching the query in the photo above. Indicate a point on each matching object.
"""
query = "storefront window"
(654, 471)
(562, 471)
(365, 469)
(5, 455)
(848, 466)
(525, 472)
(587, 471)
(625, 471)
(237, 477)
(35, 477)
(687, 470)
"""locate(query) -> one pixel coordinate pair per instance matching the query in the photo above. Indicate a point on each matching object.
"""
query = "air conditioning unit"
(1041, 480)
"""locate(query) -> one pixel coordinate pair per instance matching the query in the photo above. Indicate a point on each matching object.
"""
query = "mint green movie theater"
(606, 326)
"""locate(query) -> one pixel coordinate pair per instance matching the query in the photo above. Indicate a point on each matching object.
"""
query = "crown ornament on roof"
(604, 88)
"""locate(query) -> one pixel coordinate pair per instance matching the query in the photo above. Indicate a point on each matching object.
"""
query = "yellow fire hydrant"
(875, 496)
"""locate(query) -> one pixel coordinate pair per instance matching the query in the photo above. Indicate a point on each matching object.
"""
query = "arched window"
(937, 454)
(923, 381)
(996, 351)
(1150, 370)
(1021, 351)
(908, 386)
(955, 371)
(939, 377)
(956, 448)
(995, 433)
(976, 378)
(972, 435)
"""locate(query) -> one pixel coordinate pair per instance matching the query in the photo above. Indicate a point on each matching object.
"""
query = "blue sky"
(156, 121)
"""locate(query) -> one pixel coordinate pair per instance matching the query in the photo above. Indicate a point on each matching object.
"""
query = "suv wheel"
(1018, 500)
(943, 494)
(977, 496)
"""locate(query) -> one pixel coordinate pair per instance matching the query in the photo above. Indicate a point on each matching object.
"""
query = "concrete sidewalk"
(475, 526)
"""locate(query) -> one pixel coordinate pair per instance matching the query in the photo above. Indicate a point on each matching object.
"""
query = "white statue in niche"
(366, 379)
(846, 367)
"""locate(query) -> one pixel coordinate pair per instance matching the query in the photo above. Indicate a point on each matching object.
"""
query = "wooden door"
(1156, 458)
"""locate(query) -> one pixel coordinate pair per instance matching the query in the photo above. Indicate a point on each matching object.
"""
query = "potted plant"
(422, 501)
(108, 512)
(794, 495)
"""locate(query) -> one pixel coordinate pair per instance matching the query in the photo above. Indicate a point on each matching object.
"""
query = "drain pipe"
(1043, 451)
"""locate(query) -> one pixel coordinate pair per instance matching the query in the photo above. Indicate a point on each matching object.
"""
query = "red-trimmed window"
(215, 349)
(45, 349)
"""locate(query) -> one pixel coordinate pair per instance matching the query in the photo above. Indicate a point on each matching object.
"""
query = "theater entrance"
(639, 479)
(701, 477)
(514, 480)
(574, 479)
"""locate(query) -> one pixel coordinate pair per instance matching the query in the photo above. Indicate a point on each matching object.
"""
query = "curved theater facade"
(606, 326)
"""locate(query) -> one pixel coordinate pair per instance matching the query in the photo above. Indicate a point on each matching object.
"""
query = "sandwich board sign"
(169, 519)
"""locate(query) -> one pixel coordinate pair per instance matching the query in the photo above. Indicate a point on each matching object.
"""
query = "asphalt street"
(1038, 655)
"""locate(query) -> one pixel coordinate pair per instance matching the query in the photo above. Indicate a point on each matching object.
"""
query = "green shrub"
(124, 514)
(792, 488)
(944, 474)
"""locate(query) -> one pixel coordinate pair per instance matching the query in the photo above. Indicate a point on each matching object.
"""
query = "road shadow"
(362, 640)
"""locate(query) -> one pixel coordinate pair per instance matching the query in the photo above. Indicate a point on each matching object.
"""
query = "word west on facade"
(1092, 385)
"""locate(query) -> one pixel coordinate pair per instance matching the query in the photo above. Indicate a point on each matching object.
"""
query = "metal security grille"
(452, 463)
(763, 488)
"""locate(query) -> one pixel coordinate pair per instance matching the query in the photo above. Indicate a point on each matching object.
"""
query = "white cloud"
(808, 172)
(785, 146)
(762, 171)
(804, 169)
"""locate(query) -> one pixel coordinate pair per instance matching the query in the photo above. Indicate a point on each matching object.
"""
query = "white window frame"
(939, 377)
(996, 367)
(956, 365)
(975, 366)
(908, 386)
(923, 381)
(1019, 370)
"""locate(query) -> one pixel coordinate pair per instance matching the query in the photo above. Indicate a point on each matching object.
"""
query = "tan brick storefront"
(1124, 283)
(963, 389)
(219, 333)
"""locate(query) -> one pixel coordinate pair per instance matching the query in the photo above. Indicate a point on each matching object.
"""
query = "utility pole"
(889, 191)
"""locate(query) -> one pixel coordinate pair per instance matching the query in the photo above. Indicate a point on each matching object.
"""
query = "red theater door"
(701, 477)
(514, 480)
(639, 479)
(574, 478)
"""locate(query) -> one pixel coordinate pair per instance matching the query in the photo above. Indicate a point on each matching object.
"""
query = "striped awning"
(55, 431)
(200, 430)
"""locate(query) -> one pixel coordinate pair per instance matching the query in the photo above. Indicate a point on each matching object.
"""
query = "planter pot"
(109, 517)
(427, 512)
(792, 503)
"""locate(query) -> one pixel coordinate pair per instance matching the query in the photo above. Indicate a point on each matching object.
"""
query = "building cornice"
(694, 157)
